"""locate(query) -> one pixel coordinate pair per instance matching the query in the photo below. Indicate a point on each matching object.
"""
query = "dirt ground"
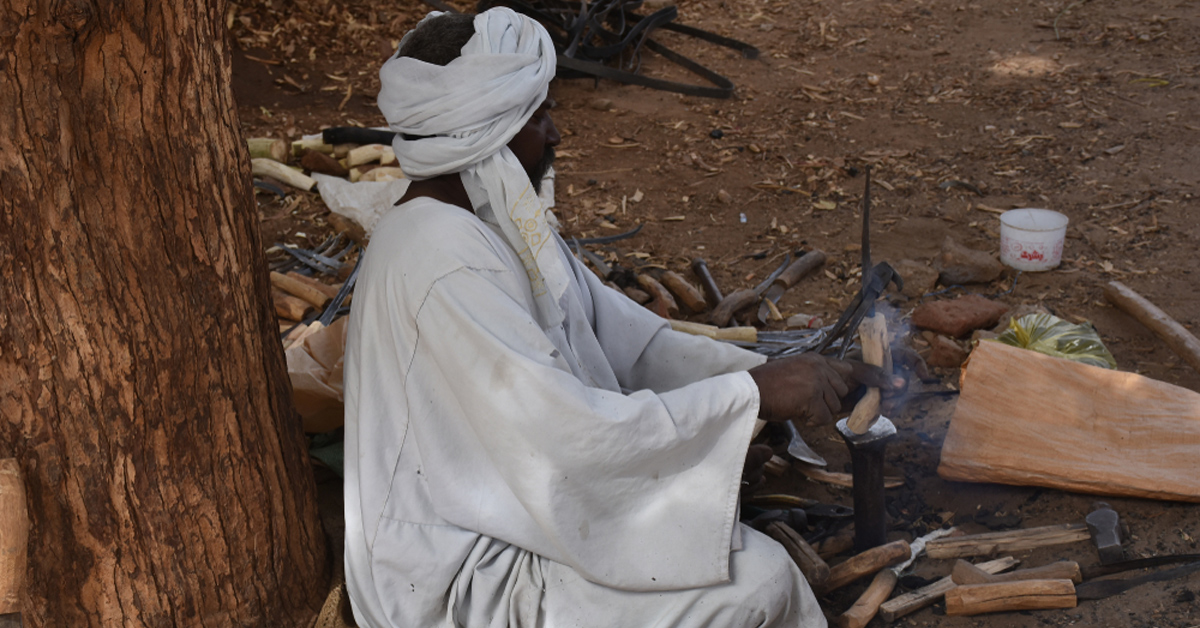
(1089, 108)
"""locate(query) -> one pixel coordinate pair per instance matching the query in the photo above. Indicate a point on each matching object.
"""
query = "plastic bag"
(1053, 336)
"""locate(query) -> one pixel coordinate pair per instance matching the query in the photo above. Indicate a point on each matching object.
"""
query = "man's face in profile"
(534, 144)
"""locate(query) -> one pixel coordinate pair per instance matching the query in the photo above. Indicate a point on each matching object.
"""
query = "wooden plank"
(1022, 595)
(1006, 542)
(902, 605)
(1029, 419)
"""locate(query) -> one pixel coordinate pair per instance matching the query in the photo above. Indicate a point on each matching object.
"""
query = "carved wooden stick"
(866, 564)
(1177, 337)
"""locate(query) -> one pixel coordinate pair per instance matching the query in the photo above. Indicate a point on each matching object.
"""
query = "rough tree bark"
(141, 386)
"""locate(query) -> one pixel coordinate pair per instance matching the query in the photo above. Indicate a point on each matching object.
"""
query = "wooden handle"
(741, 334)
(269, 148)
(866, 564)
(873, 335)
(684, 291)
(1022, 595)
(723, 313)
(868, 603)
(811, 565)
(1177, 337)
(663, 304)
(902, 605)
(14, 536)
(800, 269)
(966, 573)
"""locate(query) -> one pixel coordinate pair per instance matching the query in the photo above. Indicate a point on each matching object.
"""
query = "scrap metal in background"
(605, 39)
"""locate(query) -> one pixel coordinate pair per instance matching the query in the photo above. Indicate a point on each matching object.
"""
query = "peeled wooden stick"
(873, 335)
(966, 573)
(815, 570)
(837, 478)
(902, 605)
(866, 564)
(369, 153)
(269, 148)
(314, 143)
(14, 536)
(1021, 595)
(1007, 541)
(742, 334)
(271, 168)
(1177, 337)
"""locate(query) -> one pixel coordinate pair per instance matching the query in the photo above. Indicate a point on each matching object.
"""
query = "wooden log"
(14, 536)
(1177, 337)
(299, 289)
(730, 305)
(814, 568)
(284, 174)
(873, 336)
(290, 307)
(684, 291)
(966, 573)
(1006, 542)
(1029, 419)
(269, 148)
(913, 601)
(1022, 595)
(865, 564)
(742, 334)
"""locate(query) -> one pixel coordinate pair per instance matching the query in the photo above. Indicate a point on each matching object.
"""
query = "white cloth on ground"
(465, 114)
(499, 470)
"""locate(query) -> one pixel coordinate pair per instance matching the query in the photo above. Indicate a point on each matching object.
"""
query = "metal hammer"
(866, 456)
(1105, 527)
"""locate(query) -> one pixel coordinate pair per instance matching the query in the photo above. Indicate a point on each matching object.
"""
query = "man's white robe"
(499, 473)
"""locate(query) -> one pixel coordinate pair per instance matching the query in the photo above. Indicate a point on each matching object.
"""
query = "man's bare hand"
(810, 387)
(757, 457)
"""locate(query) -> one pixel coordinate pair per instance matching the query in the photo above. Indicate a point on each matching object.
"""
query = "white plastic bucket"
(1032, 239)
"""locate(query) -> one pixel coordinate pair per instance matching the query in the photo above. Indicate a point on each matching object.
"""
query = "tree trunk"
(142, 386)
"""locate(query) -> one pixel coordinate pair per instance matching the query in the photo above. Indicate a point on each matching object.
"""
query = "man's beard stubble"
(541, 168)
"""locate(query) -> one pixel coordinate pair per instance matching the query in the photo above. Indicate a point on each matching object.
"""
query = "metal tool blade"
(880, 429)
(799, 449)
(1100, 589)
(918, 546)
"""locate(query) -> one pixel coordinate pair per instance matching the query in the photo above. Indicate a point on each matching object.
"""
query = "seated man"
(524, 445)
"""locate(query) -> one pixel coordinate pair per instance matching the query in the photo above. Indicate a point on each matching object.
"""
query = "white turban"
(466, 112)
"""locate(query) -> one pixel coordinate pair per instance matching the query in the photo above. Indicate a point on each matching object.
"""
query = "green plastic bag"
(1053, 336)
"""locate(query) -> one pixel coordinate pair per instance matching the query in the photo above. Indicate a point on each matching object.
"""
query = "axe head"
(1105, 527)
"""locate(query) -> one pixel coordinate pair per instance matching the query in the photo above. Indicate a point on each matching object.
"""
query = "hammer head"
(1105, 527)
(882, 429)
